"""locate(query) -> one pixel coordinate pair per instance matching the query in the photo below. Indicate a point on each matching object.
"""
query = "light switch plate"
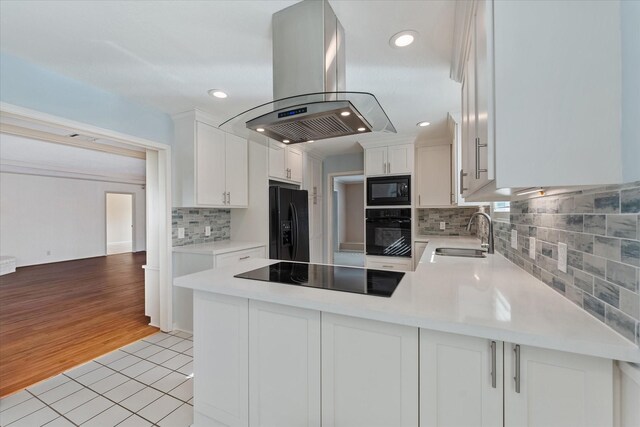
(532, 247)
(180, 233)
(207, 230)
(514, 239)
(562, 257)
(443, 225)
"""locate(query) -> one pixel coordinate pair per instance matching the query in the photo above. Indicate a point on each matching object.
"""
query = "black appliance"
(346, 279)
(389, 191)
(388, 232)
(288, 224)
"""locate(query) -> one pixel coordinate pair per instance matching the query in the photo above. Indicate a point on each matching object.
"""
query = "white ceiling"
(167, 54)
(47, 156)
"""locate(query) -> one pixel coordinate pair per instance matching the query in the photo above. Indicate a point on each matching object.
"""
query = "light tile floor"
(147, 383)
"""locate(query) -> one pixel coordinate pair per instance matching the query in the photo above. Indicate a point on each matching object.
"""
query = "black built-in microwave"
(389, 191)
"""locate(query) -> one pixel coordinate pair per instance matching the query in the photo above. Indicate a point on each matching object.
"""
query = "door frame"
(133, 220)
(329, 212)
(158, 270)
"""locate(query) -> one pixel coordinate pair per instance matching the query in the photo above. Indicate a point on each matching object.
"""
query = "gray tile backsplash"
(194, 221)
(455, 220)
(601, 228)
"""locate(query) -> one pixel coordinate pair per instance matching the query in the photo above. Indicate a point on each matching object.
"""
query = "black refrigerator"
(288, 224)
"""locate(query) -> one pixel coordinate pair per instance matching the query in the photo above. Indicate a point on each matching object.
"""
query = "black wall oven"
(389, 191)
(388, 232)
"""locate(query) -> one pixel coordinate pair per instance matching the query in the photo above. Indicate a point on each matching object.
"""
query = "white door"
(277, 160)
(375, 161)
(484, 89)
(294, 164)
(237, 173)
(434, 176)
(400, 158)
(369, 373)
(119, 218)
(284, 366)
(557, 389)
(460, 380)
(221, 358)
(210, 166)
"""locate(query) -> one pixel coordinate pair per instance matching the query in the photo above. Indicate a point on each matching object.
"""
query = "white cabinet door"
(231, 258)
(400, 159)
(484, 91)
(221, 358)
(210, 165)
(557, 389)
(389, 263)
(375, 161)
(237, 173)
(457, 380)
(434, 176)
(294, 164)
(277, 160)
(284, 366)
(369, 373)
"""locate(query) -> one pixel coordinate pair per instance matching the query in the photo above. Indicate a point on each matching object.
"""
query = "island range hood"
(310, 100)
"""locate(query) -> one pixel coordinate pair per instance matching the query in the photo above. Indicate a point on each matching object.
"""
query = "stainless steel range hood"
(310, 101)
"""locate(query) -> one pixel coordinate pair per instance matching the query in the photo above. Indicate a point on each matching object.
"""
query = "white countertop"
(217, 248)
(483, 297)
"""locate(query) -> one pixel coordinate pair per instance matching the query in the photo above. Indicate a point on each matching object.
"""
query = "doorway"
(120, 223)
(347, 220)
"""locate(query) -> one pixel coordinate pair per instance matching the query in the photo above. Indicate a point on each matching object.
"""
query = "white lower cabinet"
(389, 263)
(264, 364)
(556, 389)
(284, 365)
(457, 386)
(534, 387)
(221, 357)
(369, 373)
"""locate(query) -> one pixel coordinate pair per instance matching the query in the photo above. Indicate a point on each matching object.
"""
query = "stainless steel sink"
(462, 252)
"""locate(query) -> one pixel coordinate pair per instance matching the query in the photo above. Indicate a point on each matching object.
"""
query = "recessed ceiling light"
(423, 124)
(403, 38)
(286, 141)
(260, 129)
(345, 113)
(217, 93)
(361, 129)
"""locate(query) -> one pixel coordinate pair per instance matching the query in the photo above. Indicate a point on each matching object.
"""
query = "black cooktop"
(346, 279)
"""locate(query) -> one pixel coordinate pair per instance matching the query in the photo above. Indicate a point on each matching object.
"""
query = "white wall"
(119, 217)
(46, 219)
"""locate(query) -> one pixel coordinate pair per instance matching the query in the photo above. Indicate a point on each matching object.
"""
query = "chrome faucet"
(488, 218)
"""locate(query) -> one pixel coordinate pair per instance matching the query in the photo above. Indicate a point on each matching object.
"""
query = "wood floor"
(56, 316)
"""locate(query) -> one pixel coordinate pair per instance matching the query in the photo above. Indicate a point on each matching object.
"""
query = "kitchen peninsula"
(473, 333)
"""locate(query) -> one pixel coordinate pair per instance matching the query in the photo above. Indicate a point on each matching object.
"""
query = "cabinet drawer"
(383, 263)
(230, 258)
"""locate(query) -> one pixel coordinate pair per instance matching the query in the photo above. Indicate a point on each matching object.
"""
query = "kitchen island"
(479, 334)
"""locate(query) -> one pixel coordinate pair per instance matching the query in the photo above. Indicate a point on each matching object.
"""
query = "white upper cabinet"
(211, 167)
(285, 162)
(541, 94)
(313, 184)
(433, 176)
(389, 160)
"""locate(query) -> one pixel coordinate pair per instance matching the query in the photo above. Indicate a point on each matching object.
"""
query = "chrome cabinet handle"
(388, 167)
(387, 266)
(516, 349)
(245, 257)
(229, 198)
(419, 202)
(224, 198)
(494, 374)
(462, 187)
(478, 147)
(452, 198)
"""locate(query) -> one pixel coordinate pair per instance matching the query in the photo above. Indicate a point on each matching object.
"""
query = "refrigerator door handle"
(295, 231)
